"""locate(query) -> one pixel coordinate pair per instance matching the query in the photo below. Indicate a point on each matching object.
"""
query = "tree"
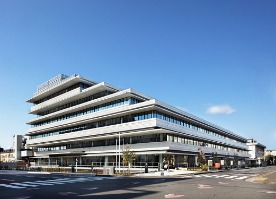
(227, 161)
(168, 159)
(236, 160)
(269, 159)
(128, 157)
(202, 160)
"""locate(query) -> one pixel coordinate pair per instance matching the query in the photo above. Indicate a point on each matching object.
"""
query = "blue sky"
(214, 59)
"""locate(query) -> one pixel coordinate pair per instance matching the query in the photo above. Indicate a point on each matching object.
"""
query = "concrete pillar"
(176, 161)
(161, 161)
(196, 162)
(49, 161)
(80, 160)
(106, 161)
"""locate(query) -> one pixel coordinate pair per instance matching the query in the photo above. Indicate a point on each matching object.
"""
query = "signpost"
(76, 165)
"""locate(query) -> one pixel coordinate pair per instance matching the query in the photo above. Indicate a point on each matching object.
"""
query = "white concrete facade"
(79, 118)
(256, 152)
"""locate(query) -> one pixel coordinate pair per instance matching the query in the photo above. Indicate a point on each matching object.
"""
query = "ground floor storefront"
(142, 160)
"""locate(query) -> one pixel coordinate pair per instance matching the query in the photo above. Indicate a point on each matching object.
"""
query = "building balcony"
(52, 102)
(154, 148)
(197, 134)
(107, 113)
(90, 134)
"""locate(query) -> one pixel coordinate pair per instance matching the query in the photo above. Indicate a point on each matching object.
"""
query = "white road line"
(49, 182)
(54, 182)
(38, 172)
(204, 186)
(38, 183)
(223, 182)
(10, 186)
(222, 176)
(241, 178)
(230, 177)
(208, 176)
(24, 184)
(62, 179)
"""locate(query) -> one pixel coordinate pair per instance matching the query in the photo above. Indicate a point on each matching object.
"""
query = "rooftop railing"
(53, 82)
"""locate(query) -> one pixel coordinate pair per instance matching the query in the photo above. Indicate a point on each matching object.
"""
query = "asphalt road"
(234, 184)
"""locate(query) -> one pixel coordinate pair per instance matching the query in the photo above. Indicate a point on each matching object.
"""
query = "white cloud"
(220, 109)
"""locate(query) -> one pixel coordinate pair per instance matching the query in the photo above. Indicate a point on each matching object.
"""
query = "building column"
(196, 162)
(105, 160)
(80, 160)
(49, 161)
(161, 161)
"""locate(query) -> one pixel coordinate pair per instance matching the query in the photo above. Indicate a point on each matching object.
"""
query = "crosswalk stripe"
(10, 186)
(241, 178)
(38, 183)
(230, 177)
(51, 182)
(208, 176)
(54, 182)
(224, 176)
(24, 184)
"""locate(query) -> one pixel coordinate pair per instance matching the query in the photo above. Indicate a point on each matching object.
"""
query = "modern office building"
(270, 157)
(6, 155)
(256, 152)
(81, 119)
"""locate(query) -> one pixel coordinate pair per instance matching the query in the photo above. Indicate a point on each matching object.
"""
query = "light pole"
(116, 153)
(119, 152)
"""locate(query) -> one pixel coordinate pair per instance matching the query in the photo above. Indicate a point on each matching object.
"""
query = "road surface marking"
(66, 193)
(38, 183)
(173, 196)
(24, 184)
(223, 182)
(11, 186)
(91, 188)
(208, 176)
(230, 177)
(267, 191)
(241, 178)
(204, 186)
(58, 181)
